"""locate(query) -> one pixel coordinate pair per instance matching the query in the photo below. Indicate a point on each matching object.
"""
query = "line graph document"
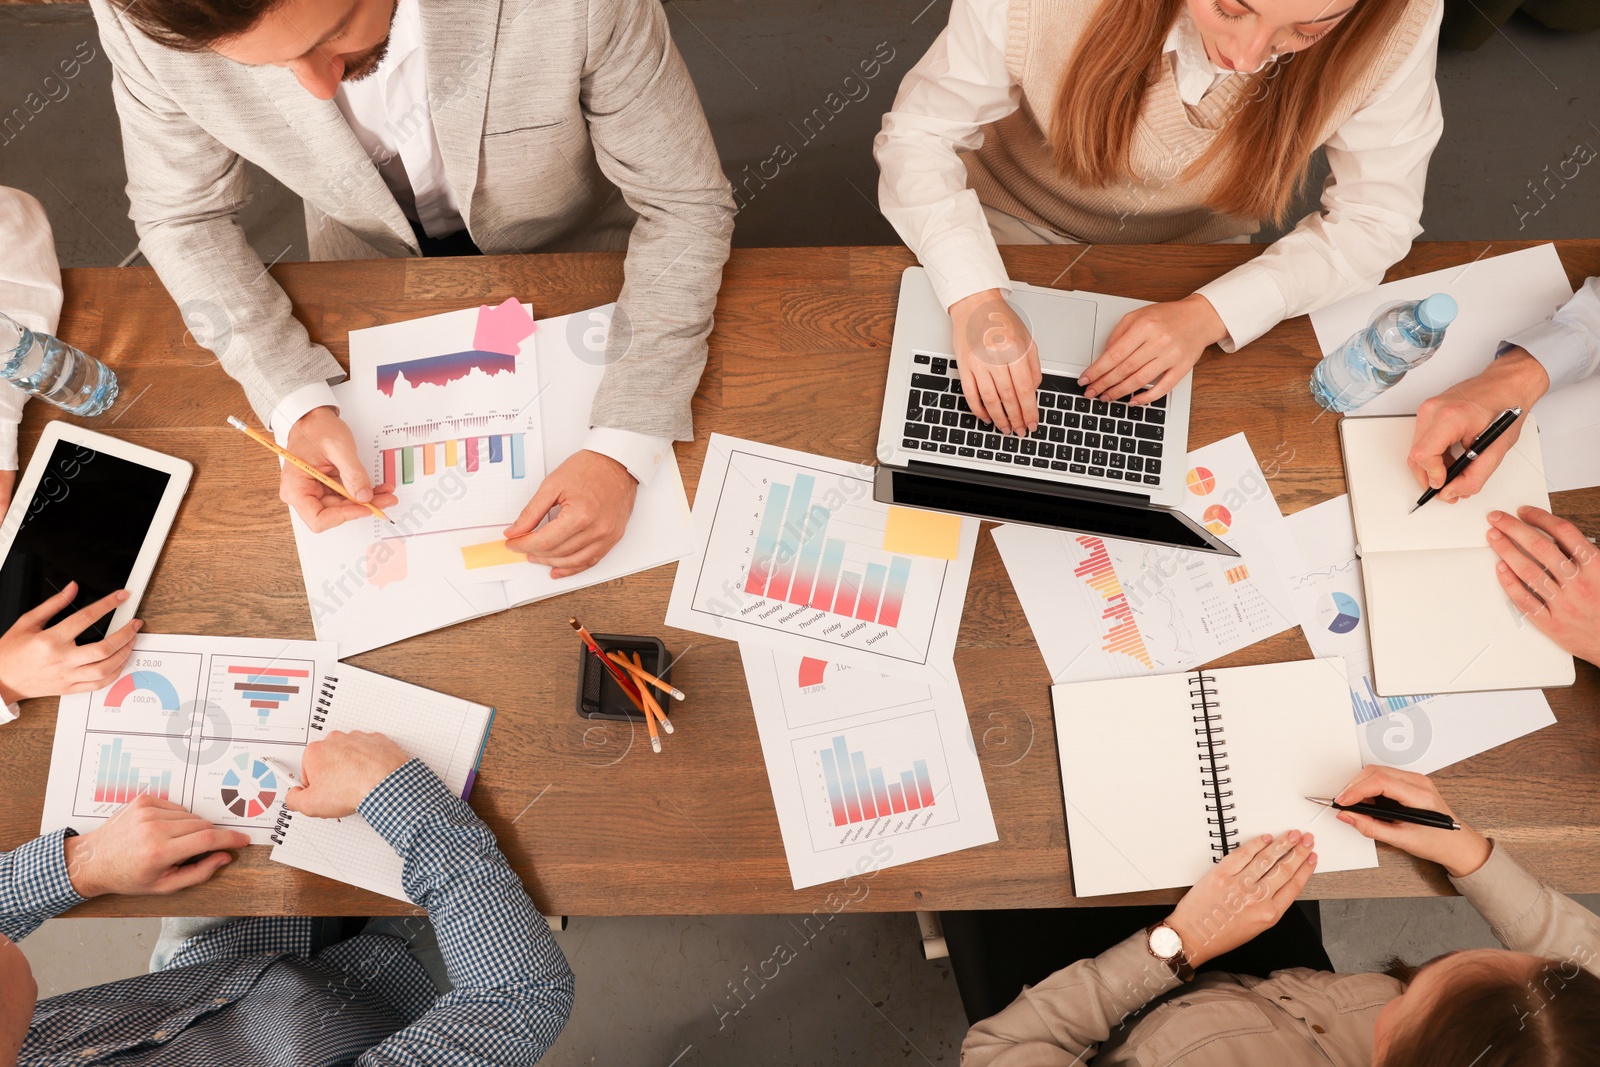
(1101, 608)
(867, 770)
(1315, 553)
(789, 552)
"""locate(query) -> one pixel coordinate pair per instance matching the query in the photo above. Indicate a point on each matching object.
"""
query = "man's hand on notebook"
(1459, 414)
(1243, 895)
(340, 770)
(1552, 574)
(1153, 346)
(999, 362)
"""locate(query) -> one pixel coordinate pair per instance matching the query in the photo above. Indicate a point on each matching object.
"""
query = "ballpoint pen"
(1484, 440)
(1391, 811)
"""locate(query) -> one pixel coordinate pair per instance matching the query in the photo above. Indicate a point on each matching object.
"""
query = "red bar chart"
(1122, 635)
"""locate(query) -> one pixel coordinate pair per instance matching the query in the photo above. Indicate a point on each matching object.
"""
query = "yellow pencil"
(262, 439)
(677, 694)
(651, 703)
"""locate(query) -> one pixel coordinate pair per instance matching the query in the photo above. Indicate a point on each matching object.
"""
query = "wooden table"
(596, 824)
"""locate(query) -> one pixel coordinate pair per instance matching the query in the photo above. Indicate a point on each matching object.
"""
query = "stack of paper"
(846, 613)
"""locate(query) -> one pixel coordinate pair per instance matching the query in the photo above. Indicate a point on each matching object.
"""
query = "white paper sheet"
(1497, 296)
(1101, 608)
(188, 720)
(1315, 553)
(789, 553)
(367, 591)
(825, 727)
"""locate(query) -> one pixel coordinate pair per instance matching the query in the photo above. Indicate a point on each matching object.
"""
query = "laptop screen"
(1013, 502)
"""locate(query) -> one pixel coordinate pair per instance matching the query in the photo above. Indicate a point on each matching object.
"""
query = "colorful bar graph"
(895, 595)
(867, 606)
(1368, 705)
(765, 557)
(117, 781)
(810, 552)
(844, 603)
(1123, 636)
(789, 537)
(434, 457)
(859, 793)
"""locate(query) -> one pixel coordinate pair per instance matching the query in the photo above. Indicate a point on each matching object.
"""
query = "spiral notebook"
(1164, 775)
(445, 732)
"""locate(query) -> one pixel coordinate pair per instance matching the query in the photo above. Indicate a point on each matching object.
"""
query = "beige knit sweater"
(1014, 170)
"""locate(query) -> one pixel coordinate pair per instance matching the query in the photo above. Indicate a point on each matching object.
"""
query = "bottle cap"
(1438, 311)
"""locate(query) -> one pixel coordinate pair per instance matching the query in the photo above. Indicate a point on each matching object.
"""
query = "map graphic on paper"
(1101, 608)
(864, 767)
(189, 720)
(789, 553)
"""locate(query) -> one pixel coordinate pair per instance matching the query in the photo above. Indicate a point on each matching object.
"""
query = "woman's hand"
(1154, 346)
(999, 362)
(1243, 895)
(39, 660)
(1458, 851)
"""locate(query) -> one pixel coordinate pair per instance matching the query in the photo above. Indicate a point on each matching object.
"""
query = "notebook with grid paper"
(1166, 774)
(445, 732)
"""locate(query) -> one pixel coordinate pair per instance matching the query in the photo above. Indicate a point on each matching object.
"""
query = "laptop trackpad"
(1063, 326)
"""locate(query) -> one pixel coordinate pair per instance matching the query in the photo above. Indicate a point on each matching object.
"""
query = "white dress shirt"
(1370, 208)
(30, 292)
(389, 113)
(1567, 345)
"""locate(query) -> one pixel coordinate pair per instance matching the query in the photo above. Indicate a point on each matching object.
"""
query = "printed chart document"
(1439, 621)
(867, 770)
(1166, 775)
(1101, 608)
(1498, 296)
(467, 435)
(1315, 552)
(789, 552)
(189, 721)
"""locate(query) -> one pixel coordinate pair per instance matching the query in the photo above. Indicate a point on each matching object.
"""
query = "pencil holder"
(599, 696)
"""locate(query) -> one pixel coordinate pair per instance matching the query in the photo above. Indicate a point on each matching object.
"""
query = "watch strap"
(1178, 962)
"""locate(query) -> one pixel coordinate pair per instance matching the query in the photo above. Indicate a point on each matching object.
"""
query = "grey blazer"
(563, 125)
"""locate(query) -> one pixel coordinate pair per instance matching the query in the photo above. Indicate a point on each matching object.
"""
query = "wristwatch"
(1165, 945)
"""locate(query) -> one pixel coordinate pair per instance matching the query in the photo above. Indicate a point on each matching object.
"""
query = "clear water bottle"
(1400, 336)
(49, 368)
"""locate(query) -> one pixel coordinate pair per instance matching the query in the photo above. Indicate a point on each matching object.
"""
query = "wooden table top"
(595, 823)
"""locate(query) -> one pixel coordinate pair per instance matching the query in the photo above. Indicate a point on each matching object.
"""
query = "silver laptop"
(1100, 467)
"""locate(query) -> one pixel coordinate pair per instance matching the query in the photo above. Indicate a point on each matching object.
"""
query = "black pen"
(1388, 810)
(1485, 439)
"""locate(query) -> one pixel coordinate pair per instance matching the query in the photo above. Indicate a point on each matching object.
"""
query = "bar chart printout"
(1122, 636)
(118, 780)
(790, 553)
(858, 793)
(461, 482)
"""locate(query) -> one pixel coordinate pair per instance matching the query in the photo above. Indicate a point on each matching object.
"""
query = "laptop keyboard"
(1096, 438)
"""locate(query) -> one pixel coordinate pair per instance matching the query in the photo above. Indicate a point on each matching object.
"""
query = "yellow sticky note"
(922, 533)
(489, 554)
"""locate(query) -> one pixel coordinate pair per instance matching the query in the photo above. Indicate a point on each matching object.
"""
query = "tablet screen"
(86, 523)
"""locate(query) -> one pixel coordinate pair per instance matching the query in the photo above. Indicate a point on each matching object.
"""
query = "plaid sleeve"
(34, 885)
(513, 990)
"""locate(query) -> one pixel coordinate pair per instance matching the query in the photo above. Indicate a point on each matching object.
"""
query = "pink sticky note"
(502, 329)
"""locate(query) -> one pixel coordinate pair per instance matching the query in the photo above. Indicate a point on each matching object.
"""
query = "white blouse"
(1370, 207)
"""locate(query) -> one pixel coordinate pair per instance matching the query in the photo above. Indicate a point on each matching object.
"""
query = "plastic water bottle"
(49, 368)
(1400, 336)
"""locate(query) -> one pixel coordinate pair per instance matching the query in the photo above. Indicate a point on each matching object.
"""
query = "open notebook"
(1436, 615)
(1164, 775)
(445, 732)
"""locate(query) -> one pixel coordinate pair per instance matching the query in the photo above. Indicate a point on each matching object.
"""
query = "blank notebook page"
(1383, 490)
(443, 731)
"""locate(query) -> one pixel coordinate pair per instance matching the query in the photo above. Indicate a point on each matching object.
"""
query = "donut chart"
(249, 787)
(157, 685)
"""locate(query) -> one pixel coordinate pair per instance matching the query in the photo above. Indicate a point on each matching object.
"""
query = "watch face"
(1165, 942)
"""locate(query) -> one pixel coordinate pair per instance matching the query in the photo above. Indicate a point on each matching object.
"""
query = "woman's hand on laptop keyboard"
(1153, 347)
(999, 362)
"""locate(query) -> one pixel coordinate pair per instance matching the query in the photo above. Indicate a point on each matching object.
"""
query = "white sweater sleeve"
(30, 292)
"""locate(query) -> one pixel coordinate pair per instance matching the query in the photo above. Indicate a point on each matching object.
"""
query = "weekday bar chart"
(876, 778)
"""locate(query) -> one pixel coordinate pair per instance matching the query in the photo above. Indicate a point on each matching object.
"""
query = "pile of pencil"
(635, 683)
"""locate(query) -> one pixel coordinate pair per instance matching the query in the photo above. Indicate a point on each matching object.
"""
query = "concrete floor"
(863, 993)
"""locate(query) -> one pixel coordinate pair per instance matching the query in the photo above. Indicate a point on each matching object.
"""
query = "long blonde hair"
(1265, 146)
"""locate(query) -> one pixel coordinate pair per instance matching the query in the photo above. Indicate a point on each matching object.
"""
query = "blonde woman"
(1146, 121)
